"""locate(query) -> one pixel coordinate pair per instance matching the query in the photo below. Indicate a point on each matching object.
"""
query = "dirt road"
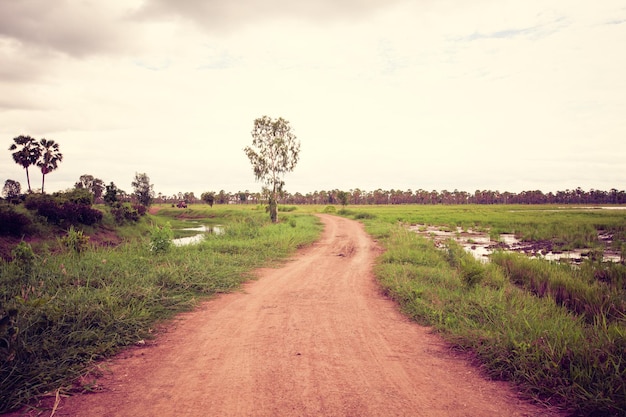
(312, 338)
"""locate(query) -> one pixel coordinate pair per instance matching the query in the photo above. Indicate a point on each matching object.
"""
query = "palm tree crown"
(50, 157)
(28, 155)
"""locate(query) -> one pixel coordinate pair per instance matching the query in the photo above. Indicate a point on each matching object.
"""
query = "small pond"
(198, 237)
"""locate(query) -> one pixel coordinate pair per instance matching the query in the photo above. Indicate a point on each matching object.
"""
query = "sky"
(502, 95)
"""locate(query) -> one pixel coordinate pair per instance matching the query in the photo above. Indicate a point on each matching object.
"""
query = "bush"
(123, 213)
(77, 195)
(45, 206)
(140, 209)
(23, 258)
(12, 223)
(75, 240)
(161, 239)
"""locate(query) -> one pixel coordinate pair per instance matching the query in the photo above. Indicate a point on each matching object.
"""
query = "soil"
(314, 337)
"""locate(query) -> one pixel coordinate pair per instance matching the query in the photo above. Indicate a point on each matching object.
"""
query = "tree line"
(382, 197)
(274, 152)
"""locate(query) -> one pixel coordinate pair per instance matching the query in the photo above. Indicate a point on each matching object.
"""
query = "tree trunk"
(273, 209)
(28, 180)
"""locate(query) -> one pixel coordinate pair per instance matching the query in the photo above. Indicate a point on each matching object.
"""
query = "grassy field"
(62, 311)
(557, 331)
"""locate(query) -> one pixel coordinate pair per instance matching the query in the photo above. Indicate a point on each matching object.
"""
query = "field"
(556, 330)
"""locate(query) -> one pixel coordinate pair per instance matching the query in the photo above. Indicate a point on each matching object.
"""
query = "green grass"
(63, 311)
(557, 332)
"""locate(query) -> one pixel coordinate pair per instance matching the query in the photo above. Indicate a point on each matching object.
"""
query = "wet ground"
(480, 245)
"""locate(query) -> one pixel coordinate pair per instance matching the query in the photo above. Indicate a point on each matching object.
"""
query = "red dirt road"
(314, 337)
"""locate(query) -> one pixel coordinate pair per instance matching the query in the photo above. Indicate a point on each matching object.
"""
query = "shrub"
(123, 213)
(140, 209)
(161, 239)
(12, 223)
(89, 216)
(77, 195)
(23, 258)
(70, 208)
(45, 206)
(75, 240)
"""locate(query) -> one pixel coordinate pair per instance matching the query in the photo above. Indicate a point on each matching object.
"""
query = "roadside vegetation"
(557, 331)
(70, 302)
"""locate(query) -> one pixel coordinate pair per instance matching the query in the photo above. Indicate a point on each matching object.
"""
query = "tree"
(94, 185)
(274, 152)
(28, 155)
(11, 189)
(343, 197)
(50, 157)
(110, 196)
(208, 197)
(143, 190)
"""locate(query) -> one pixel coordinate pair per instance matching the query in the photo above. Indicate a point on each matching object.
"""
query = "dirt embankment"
(312, 338)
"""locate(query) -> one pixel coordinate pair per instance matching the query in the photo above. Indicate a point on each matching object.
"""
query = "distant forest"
(357, 197)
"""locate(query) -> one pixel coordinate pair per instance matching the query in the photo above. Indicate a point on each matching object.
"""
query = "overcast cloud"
(499, 95)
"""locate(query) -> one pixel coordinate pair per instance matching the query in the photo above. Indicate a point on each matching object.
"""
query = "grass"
(61, 312)
(557, 332)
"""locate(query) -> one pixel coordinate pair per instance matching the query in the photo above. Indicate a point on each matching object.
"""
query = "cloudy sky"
(501, 95)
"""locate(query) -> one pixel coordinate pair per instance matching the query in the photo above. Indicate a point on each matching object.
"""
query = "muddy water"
(197, 238)
(481, 246)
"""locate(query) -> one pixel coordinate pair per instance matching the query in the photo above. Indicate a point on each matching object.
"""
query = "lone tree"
(11, 189)
(274, 152)
(143, 189)
(110, 197)
(27, 155)
(50, 158)
(208, 197)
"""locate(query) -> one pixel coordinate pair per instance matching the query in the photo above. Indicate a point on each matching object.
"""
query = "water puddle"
(199, 237)
(481, 246)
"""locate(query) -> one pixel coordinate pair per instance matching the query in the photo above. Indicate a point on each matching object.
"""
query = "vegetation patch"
(62, 311)
(557, 331)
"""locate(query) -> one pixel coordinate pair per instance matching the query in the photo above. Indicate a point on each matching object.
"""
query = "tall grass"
(573, 289)
(554, 331)
(61, 312)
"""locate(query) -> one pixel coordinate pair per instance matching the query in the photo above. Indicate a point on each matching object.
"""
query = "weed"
(161, 238)
(75, 240)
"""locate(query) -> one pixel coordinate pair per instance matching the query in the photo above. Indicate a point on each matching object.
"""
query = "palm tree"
(28, 155)
(50, 157)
